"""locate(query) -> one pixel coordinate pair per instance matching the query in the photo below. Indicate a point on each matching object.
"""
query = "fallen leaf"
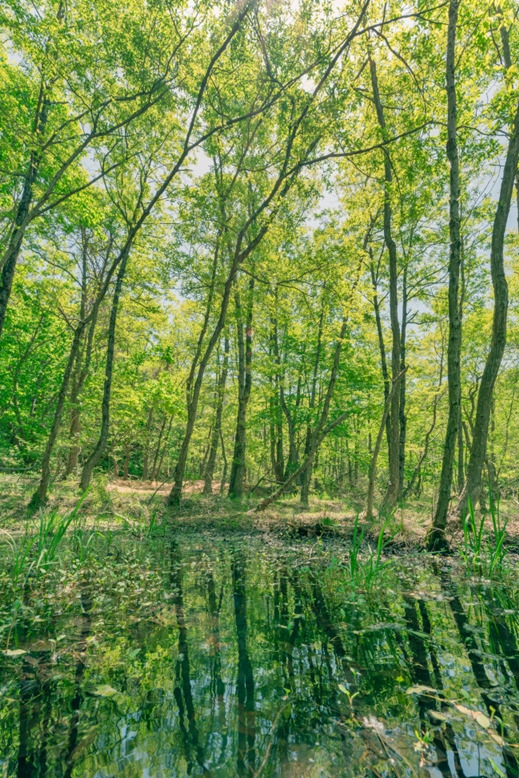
(105, 691)
(420, 690)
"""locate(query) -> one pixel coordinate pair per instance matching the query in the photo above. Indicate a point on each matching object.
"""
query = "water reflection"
(260, 662)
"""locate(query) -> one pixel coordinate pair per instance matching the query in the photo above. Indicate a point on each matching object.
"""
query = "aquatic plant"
(484, 551)
(364, 567)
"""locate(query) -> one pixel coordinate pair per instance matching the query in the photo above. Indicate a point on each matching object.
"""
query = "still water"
(223, 659)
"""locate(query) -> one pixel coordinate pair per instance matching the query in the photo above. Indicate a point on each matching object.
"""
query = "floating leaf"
(420, 690)
(13, 652)
(105, 691)
(436, 714)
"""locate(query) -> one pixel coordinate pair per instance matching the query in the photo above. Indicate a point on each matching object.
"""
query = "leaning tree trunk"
(237, 476)
(393, 489)
(40, 496)
(95, 456)
(215, 437)
(12, 252)
(497, 346)
(436, 536)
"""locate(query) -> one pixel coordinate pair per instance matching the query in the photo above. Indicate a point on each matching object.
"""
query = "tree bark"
(376, 450)
(436, 536)
(99, 448)
(237, 476)
(276, 412)
(499, 323)
(12, 253)
(382, 349)
(306, 474)
(402, 414)
(217, 427)
(40, 496)
(393, 487)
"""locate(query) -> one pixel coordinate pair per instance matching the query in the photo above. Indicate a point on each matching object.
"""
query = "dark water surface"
(221, 659)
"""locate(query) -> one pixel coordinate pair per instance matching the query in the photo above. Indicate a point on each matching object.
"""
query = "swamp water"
(222, 658)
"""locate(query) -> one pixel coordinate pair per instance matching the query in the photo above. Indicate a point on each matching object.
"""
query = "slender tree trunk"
(223, 480)
(318, 439)
(12, 252)
(293, 453)
(74, 433)
(306, 474)
(157, 450)
(126, 461)
(40, 496)
(403, 418)
(215, 437)
(99, 448)
(237, 476)
(436, 537)
(146, 451)
(164, 448)
(393, 488)
(77, 387)
(497, 346)
(382, 349)
(376, 450)
(321, 428)
(276, 412)
(193, 394)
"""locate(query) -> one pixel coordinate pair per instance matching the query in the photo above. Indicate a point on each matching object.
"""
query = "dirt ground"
(130, 502)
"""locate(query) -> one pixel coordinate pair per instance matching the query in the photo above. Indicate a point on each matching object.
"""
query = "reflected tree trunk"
(245, 681)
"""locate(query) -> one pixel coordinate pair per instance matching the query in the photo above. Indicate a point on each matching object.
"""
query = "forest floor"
(130, 503)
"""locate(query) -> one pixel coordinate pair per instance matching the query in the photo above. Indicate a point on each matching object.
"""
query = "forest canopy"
(268, 247)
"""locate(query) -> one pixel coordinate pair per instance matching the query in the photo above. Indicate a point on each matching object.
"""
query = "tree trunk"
(376, 449)
(436, 536)
(382, 349)
(237, 476)
(98, 451)
(306, 474)
(276, 411)
(40, 496)
(321, 430)
(78, 383)
(393, 487)
(164, 447)
(157, 450)
(215, 437)
(497, 346)
(12, 252)
(223, 480)
(402, 418)
(146, 451)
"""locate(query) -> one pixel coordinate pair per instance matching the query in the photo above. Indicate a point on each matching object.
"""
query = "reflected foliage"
(203, 659)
